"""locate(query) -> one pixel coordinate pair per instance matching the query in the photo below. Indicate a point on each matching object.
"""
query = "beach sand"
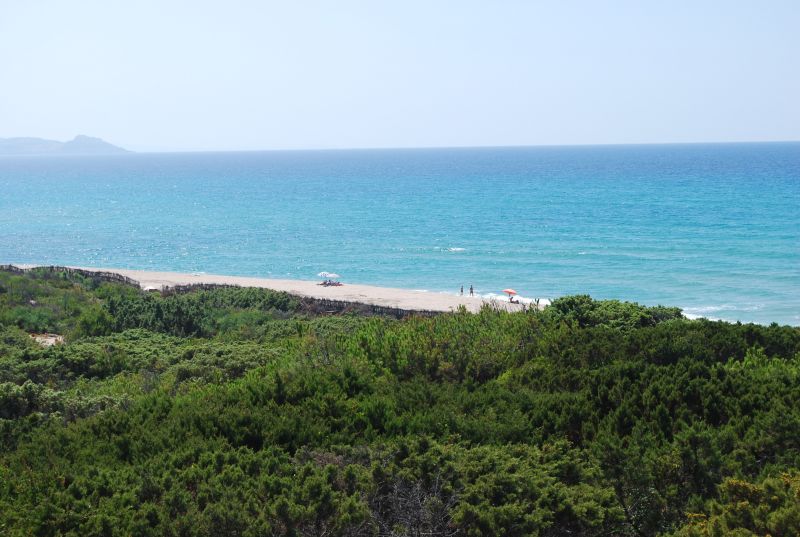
(366, 294)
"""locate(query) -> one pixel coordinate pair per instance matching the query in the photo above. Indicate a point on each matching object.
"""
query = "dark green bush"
(230, 412)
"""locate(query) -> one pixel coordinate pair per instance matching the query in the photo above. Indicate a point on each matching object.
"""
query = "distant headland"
(80, 145)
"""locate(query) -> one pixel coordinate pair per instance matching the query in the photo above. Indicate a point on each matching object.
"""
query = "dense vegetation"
(236, 412)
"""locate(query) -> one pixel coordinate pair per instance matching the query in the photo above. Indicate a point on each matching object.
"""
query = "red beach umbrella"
(509, 292)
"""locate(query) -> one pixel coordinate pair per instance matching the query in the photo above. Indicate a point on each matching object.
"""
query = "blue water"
(714, 229)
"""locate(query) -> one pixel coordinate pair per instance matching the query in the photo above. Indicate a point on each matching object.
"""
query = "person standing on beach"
(471, 292)
(462, 290)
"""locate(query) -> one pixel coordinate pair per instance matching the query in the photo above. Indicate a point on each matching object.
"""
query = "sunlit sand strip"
(365, 294)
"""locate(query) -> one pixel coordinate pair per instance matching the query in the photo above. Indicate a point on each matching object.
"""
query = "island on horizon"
(80, 145)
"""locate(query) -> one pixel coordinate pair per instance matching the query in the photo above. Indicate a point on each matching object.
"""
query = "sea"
(711, 228)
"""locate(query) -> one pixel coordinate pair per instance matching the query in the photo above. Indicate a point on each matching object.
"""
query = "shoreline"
(388, 297)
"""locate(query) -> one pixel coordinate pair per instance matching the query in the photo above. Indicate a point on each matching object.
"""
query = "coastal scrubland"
(236, 411)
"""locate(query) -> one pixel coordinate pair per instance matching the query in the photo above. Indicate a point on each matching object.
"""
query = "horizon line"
(434, 147)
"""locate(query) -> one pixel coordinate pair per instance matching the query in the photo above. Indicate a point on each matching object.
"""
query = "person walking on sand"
(471, 291)
(462, 290)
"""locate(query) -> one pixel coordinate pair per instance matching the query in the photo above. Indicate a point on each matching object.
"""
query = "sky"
(251, 75)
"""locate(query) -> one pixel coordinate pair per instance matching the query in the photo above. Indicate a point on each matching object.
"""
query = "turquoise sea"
(712, 228)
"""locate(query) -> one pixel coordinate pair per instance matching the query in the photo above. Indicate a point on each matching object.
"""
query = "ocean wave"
(728, 311)
(714, 308)
(692, 317)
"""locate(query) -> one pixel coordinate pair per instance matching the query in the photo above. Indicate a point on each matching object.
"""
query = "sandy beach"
(366, 294)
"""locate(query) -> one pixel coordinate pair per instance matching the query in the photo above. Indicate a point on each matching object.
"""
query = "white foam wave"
(693, 316)
(728, 311)
(714, 308)
(711, 318)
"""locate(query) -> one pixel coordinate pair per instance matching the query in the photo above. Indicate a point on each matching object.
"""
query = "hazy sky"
(196, 75)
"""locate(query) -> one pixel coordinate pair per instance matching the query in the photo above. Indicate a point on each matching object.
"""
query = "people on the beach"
(462, 290)
(471, 291)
